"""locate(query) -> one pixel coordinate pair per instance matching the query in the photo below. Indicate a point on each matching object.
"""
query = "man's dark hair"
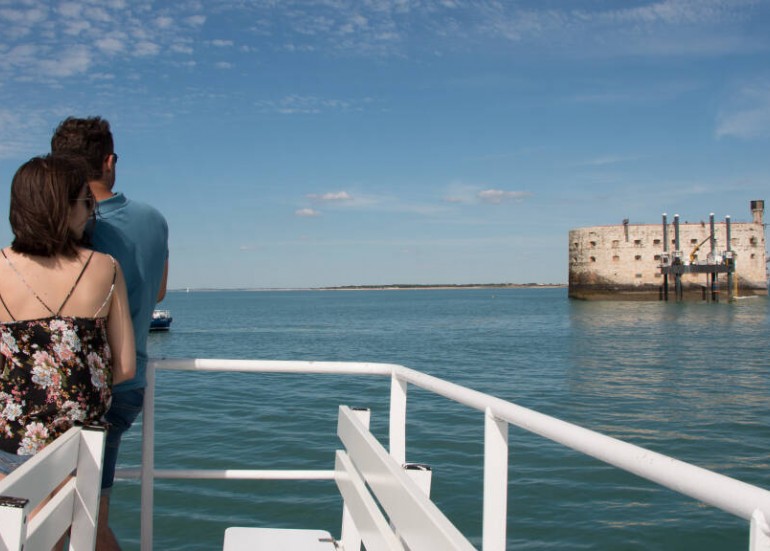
(43, 192)
(89, 138)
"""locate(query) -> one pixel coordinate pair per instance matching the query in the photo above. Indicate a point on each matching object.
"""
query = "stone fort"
(629, 261)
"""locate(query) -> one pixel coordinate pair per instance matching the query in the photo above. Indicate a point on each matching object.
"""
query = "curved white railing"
(743, 500)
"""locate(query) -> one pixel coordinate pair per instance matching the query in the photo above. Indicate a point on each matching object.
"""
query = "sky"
(321, 143)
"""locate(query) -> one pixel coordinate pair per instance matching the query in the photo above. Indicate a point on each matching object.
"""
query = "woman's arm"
(120, 333)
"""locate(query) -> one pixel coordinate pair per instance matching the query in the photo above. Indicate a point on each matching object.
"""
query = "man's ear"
(108, 165)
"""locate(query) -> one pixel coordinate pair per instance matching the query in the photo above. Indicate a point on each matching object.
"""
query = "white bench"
(384, 507)
(74, 459)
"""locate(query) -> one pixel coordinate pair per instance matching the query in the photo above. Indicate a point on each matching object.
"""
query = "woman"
(65, 327)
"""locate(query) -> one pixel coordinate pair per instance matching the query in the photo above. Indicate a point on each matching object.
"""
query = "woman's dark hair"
(43, 191)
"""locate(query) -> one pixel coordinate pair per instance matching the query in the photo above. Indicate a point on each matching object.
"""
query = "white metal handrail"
(733, 496)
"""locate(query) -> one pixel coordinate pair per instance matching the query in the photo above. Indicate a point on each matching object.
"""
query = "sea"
(689, 380)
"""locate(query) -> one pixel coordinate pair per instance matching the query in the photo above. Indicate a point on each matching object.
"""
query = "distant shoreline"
(393, 287)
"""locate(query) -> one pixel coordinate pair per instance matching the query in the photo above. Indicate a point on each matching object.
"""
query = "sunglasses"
(89, 200)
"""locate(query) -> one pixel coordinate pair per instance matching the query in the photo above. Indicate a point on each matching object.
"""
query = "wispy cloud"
(307, 213)
(747, 115)
(330, 196)
(460, 193)
(609, 160)
(310, 105)
(498, 196)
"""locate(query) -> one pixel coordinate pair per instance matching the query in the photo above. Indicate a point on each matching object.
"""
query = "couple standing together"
(77, 289)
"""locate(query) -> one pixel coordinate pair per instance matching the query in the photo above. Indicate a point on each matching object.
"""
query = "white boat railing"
(743, 500)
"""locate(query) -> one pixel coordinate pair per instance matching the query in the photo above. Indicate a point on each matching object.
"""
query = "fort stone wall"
(623, 261)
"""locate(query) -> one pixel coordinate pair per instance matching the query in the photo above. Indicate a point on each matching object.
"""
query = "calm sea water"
(686, 380)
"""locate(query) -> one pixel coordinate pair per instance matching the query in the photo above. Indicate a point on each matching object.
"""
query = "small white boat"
(161, 320)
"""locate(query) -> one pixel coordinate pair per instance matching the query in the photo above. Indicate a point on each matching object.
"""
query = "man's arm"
(163, 281)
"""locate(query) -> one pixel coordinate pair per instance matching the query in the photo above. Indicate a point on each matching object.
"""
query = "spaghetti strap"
(1, 294)
(24, 281)
(6, 308)
(88, 261)
(112, 287)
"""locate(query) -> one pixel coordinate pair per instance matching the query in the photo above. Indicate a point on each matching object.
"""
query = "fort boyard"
(708, 260)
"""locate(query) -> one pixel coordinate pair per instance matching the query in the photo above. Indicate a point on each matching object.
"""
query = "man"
(135, 234)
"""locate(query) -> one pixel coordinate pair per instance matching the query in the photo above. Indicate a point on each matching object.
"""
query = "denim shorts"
(124, 410)
(10, 461)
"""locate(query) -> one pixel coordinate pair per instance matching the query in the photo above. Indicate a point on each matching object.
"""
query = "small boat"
(161, 320)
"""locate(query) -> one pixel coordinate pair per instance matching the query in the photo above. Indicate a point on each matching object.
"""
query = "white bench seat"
(277, 539)
(384, 507)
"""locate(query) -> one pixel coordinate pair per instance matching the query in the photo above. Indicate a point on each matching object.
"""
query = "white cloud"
(310, 105)
(334, 196)
(110, 45)
(181, 48)
(307, 213)
(67, 63)
(498, 196)
(223, 65)
(748, 115)
(146, 48)
(195, 20)
(222, 43)
(164, 22)
(609, 160)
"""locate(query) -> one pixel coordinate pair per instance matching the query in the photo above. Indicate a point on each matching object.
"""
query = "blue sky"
(334, 142)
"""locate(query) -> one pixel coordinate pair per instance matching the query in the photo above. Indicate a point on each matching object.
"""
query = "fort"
(709, 261)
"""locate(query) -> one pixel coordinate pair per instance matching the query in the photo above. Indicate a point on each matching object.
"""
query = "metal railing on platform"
(745, 501)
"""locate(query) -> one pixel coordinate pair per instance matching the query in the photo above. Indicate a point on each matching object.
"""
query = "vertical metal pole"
(713, 243)
(665, 250)
(730, 262)
(14, 518)
(495, 483)
(677, 275)
(89, 468)
(397, 436)
(148, 459)
(759, 534)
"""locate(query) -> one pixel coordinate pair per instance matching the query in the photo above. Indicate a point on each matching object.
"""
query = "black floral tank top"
(57, 372)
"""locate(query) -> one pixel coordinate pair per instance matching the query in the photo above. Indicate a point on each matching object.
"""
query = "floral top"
(57, 372)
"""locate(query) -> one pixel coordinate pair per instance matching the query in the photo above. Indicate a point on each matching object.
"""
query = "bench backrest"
(74, 460)
(413, 521)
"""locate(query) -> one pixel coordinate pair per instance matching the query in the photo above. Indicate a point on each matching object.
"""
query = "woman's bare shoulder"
(101, 264)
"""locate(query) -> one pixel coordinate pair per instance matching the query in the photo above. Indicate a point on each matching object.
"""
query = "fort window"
(638, 257)
(593, 259)
(575, 245)
(753, 256)
(658, 274)
(656, 241)
(593, 244)
(615, 243)
(656, 257)
(753, 241)
(637, 242)
(638, 276)
(693, 241)
(616, 258)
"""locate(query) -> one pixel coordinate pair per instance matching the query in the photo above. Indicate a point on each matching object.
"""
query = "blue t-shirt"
(136, 234)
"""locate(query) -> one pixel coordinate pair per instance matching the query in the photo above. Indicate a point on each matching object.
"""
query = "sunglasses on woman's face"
(89, 199)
